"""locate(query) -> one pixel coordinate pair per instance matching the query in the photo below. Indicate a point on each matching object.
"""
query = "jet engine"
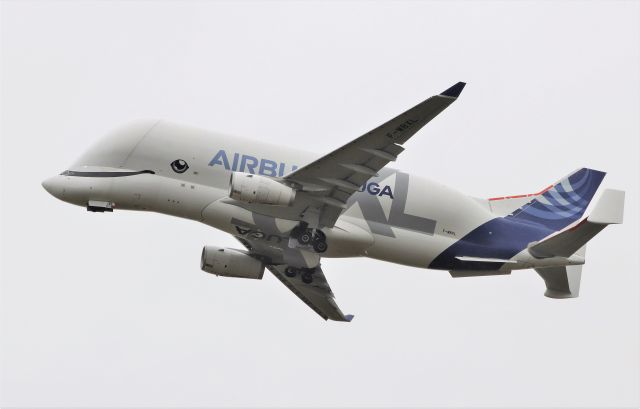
(250, 188)
(230, 263)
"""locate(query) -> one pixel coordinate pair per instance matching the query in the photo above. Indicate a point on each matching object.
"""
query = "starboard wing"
(333, 178)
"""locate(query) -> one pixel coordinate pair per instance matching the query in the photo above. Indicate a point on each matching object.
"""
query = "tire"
(298, 230)
(290, 272)
(295, 233)
(320, 236)
(320, 246)
(307, 278)
(305, 238)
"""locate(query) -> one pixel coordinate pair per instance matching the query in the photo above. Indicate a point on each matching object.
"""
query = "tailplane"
(564, 281)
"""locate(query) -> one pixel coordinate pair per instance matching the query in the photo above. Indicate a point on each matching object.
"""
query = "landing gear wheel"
(320, 246)
(319, 236)
(299, 229)
(305, 238)
(307, 278)
(290, 272)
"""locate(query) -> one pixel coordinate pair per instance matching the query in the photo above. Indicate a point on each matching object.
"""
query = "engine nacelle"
(230, 263)
(250, 188)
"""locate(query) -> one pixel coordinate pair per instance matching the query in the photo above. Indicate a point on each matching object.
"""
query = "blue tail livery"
(563, 203)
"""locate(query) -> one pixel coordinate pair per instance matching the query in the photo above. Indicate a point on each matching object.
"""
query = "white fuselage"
(398, 218)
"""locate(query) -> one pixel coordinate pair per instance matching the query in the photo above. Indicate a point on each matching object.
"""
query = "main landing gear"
(306, 274)
(310, 237)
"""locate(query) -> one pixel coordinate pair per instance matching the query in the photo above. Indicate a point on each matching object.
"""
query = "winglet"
(454, 91)
(348, 317)
(609, 208)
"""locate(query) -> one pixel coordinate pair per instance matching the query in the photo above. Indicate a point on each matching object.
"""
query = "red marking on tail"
(520, 196)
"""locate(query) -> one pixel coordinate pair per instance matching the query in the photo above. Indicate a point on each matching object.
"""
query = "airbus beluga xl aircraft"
(288, 209)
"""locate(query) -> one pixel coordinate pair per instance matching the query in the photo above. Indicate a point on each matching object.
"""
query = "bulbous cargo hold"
(347, 203)
(230, 263)
(250, 188)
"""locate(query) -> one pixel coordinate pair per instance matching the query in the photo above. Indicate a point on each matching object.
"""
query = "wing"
(278, 256)
(332, 179)
(317, 294)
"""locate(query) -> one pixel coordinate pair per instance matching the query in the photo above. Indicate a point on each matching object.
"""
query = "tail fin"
(563, 203)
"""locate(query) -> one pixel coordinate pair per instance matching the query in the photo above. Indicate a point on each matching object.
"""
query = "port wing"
(317, 294)
(290, 265)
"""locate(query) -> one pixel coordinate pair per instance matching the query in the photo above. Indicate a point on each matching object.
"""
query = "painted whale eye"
(179, 166)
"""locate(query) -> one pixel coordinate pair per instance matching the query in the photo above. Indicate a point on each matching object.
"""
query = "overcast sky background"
(113, 310)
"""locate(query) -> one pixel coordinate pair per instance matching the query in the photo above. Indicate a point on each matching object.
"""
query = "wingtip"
(348, 317)
(455, 90)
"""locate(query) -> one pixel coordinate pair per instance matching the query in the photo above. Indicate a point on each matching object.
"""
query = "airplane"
(288, 208)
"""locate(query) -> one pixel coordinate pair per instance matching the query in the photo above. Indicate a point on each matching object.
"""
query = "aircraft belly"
(162, 195)
(226, 217)
(345, 239)
(408, 247)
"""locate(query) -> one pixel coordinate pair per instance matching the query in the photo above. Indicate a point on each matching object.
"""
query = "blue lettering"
(268, 167)
(235, 162)
(249, 162)
(373, 188)
(220, 159)
(387, 191)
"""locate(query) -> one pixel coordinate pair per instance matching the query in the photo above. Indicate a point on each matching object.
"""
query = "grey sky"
(112, 309)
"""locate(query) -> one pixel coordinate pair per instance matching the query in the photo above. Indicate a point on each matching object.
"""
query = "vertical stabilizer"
(563, 203)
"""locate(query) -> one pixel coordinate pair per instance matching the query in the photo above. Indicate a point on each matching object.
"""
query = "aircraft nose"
(55, 186)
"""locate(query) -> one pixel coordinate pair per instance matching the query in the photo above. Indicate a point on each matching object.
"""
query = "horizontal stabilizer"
(484, 260)
(608, 210)
(477, 273)
(561, 282)
(480, 266)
